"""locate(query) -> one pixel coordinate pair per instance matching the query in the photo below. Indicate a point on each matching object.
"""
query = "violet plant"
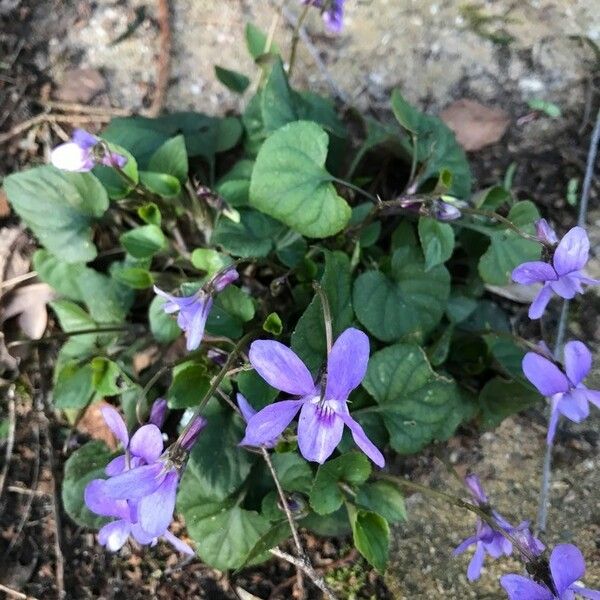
(215, 229)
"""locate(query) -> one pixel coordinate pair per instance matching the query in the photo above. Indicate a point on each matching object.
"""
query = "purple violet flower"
(158, 412)
(486, 540)
(78, 154)
(322, 415)
(144, 448)
(567, 394)
(545, 233)
(566, 567)
(194, 310)
(248, 412)
(564, 276)
(333, 13)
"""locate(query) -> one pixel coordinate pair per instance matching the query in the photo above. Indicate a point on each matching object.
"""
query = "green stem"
(356, 189)
(296, 37)
(67, 334)
(496, 217)
(326, 315)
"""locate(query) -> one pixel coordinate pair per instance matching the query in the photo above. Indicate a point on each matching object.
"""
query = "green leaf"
(59, 208)
(229, 132)
(253, 236)
(144, 241)
(256, 41)
(439, 350)
(164, 327)
(171, 158)
(383, 498)
(272, 538)
(255, 389)
(371, 535)
(83, 465)
(500, 398)
(277, 100)
(73, 318)
(289, 181)
(209, 260)
(107, 377)
(325, 495)
(507, 249)
(161, 184)
(190, 382)
(225, 538)
(236, 82)
(137, 278)
(437, 148)
(293, 472)
(437, 241)
(237, 303)
(308, 339)
(115, 184)
(414, 401)
(548, 108)
(218, 464)
(409, 303)
(150, 213)
(73, 387)
(272, 324)
(107, 300)
(234, 186)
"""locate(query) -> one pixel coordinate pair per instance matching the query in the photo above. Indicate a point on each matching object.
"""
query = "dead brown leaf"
(28, 303)
(92, 423)
(4, 206)
(80, 85)
(142, 360)
(475, 125)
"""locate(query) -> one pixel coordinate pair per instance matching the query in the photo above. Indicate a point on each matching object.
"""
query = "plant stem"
(543, 506)
(356, 189)
(67, 334)
(215, 383)
(496, 217)
(326, 315)
(296, 38)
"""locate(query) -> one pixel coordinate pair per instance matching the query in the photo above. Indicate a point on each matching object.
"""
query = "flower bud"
(191, 435)
(545, 233)
(222, 279)
(442, 211)
(158, 412)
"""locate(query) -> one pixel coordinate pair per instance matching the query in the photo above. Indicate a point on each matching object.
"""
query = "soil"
(436, 52)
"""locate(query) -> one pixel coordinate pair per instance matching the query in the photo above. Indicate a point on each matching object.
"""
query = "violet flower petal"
(521, 588)
(593, 396)
(71, 157)
(114, 535)
(178, 544)
(155, 511)
(84, 139)
(474, 568)
(99, 502)
(538, 306)
(574, 406)
(319, 431)
(136, 483)
(572, 252)
(545, 233)
(473, 482)
(281, 367)
(158, 412)
(347, 364)
(269, 422)
(566, 286)
(578, 361)
(116, 466)
(465, 545)
(533, 272)
(141, 536)
(586, 592)
(567, 566)
(544, 374)
(116, 424)
(194, 332)
(334, 16)
(147, 443)
(245, 407)
(362, 441)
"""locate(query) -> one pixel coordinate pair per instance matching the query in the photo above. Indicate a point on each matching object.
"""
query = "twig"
(288, 513)
(84, 109)
(14, 594)
(164, 60)
(18, 279)
(543, 505)
(308, 570)
(10, 439)
(51, 118)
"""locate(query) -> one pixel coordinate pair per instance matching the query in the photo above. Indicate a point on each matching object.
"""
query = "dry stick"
(10, 440)
(14, 594)
(164, 60)
(542, 516)
(290, 518)
(84, 109)
(307, 568)
(51, 118)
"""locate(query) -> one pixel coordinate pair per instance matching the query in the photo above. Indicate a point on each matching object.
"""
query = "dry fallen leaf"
(4, 206)
(80, 85)
(475, 125)
(29, 304)
(92, 423)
